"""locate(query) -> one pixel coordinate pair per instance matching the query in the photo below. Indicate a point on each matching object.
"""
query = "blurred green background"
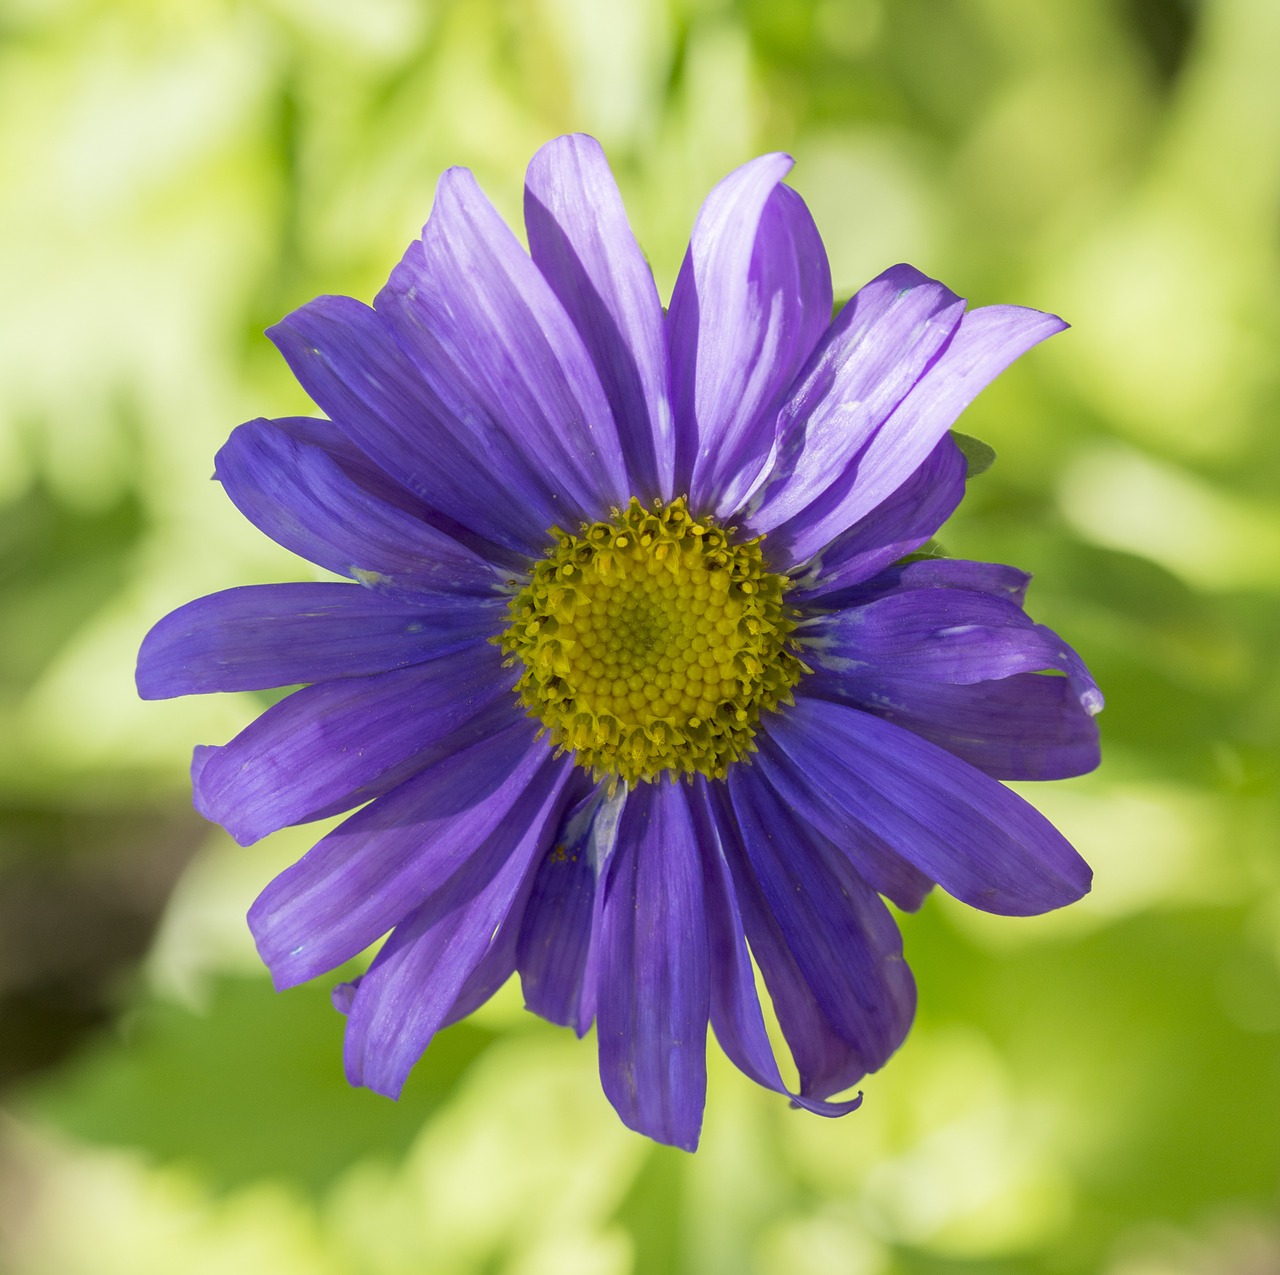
(1095, 1091)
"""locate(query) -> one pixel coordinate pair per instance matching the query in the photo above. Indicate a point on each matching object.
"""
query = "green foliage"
(1084, 1094)
(249, 1088)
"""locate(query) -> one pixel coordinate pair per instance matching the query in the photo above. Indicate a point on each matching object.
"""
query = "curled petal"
(752, 298)
(580, 239)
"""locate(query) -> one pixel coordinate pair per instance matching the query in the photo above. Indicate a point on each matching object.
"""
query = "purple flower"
(595, 547)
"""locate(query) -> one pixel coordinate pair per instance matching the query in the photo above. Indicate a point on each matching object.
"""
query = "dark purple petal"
(556, 953)
(736, 1017)
(752, 298)
(983, 345)
(581, 241)
(1029, 726)
(267, 635)
(428, 967)
(653, 996)
(976, 839)
(874, 860)
(303, 498)
(941, 635)
(845, 944)
(876, 350)
(377, 866)
(899, 525)
(332, 746)
(488, 334)
(345, 356)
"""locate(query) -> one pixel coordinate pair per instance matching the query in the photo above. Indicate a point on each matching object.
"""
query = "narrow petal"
(654, 989)
(872, 858)
(941, 635)
(345, 356)
(976, 839)
(736, 1016)
(879, 346)
(899, 525)
(580, 239)
(752, 298)
(491, 338)
(334, 745)
(299, 494)
(556, 949)
(1028, 726)
(845, 944)
(385, 860)
(427, 965)
(268, 635)
(986, 341)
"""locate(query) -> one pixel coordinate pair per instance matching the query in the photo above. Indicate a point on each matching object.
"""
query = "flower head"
(635, 676)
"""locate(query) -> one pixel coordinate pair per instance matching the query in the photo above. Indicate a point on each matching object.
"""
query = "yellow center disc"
(651, 643)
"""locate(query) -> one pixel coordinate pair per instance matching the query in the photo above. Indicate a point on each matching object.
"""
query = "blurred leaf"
(978, 456)
(251, 1089)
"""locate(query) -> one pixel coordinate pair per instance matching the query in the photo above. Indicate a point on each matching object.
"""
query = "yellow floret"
(650, 643)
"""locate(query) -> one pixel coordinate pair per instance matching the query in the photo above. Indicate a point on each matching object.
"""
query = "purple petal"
(345, 356)
(654, 982)
(581, 241)
(752, 298)
(267, 635)
(736, 1016)
(331, 746)
(303, 498)
(876, 350)
(428, 966)
(491, 338)
(899, 525)
(976, 839)
(377, 866)
(845, 945)
(984, 344)
(556, 955)
(1028, 726)
(875, 861)
(941, 635)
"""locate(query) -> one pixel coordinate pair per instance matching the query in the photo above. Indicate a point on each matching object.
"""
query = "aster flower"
(592, 549)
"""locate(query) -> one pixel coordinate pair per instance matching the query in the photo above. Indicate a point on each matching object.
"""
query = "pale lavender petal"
(653, 995)
(556, 954)
(304, 499)
(879, 346)
(427, 966)
(388, 858)
(331, 746)
(346, 357)
(1029, 726)
(899, 525)
(736, 1017)
(752, 298)
(581, 241)
(268, 635)
(976, 839)
(489, 335)
(986, 341)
